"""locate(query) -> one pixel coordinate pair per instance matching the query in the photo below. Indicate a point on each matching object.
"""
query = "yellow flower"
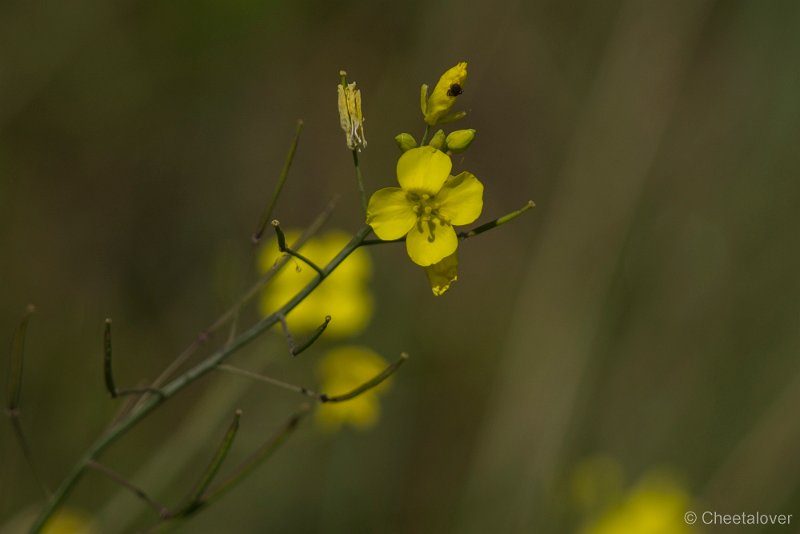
(350, 117)
(444, 95)
(343, 294)
(655, 505)
(69, 522)
(342, 370)
(426, 205)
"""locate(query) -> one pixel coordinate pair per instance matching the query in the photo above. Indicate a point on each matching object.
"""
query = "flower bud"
(405, 141)
(444, 94)
(437, 141)
(459, 140)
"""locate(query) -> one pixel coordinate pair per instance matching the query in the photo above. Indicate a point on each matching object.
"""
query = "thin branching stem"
(159, 508)
(196, 497)
(108, 371)
(256, 458)
(321, 397)
(266, 216)
(233, 311)
(14, 393)
(491, 225)
(288, 250)
(315, 335)
(369, 384)
(184, 380)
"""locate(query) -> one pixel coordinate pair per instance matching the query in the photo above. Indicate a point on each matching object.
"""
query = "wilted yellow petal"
(442, 274)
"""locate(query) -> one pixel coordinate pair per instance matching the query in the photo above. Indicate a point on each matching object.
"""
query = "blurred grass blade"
(254, 460)
(107, 370)
(380, 377)
(16, 361)
(266, 216)
(196, 497)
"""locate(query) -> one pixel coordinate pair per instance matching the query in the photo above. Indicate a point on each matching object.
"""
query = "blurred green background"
(647, 310)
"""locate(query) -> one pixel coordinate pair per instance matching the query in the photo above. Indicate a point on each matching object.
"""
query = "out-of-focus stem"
(176, 385)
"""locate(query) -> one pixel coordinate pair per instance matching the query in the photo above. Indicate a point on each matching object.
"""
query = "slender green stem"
(266, 216)
(283, 248)
(383, 375)
(159, 508)
(196, 498)
(233, 311)
(261, 454)
(425, 135)
(321, 397)
(14, 392)
(312, 338)
(108, 370)
(16, 361)
(182, 381)
(360, 181)
(497, 222)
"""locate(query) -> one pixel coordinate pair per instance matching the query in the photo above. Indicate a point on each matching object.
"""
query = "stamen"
(432, 230)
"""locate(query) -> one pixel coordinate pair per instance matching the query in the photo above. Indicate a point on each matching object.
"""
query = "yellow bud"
(350, 116)
(405, 141)
(437, 141)
(459, 140)
(449, 86)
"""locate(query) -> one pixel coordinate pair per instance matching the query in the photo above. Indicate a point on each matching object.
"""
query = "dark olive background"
(647, 309)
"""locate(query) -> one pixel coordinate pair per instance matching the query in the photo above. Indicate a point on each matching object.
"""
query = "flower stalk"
(178, 384)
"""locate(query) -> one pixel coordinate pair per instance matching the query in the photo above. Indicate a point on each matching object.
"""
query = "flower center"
(426, 208)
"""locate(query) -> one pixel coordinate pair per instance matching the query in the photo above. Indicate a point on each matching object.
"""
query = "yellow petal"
(442, 274)
(461, 199)
(423, 170)
(425, 248)
(390, 213)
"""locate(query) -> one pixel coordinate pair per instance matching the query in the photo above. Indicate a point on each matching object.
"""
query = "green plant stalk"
(176, 385)
(360, 181)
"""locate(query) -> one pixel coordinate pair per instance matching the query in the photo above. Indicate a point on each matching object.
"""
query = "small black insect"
(454, 90)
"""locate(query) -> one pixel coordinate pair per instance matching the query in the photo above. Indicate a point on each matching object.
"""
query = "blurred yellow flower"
(426, 205)
(69, 521)
(343, 294)
(655, 505)
(447, 89)
(342, 370)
